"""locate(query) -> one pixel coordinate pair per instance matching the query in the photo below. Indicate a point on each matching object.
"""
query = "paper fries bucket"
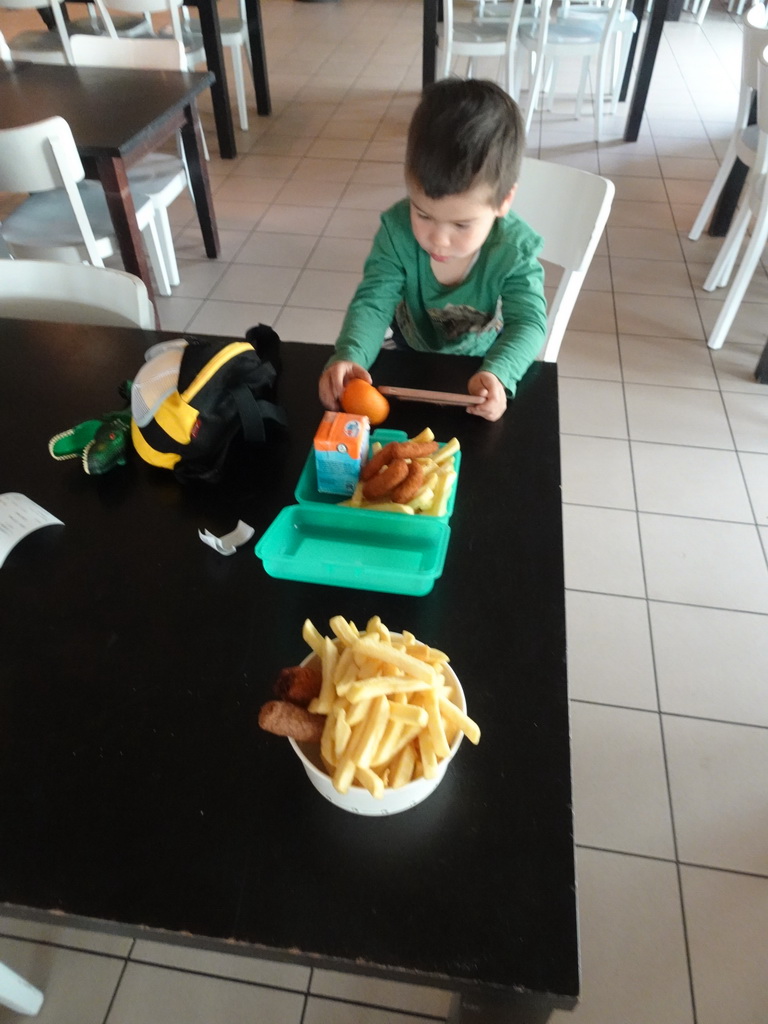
(358, 800)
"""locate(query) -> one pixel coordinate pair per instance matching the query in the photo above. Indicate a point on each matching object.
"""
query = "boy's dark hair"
(463, 134)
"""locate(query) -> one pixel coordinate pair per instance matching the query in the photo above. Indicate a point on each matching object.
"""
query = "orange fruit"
(362, 399)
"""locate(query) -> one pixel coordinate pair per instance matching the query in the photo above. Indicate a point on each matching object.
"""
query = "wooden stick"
(435, 397)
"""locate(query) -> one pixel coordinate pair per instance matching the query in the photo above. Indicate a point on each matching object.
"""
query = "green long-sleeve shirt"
(497, 311)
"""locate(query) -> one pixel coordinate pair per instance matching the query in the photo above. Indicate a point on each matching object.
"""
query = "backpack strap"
(254, 412)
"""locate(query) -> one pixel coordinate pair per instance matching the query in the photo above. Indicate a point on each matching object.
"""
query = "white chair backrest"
(169, 7)
(43, 156)
(5, 53)
(37, 157)
(101, 51)
(569, 208)
(73, 293)
(614, 8)
(754, 41)
(761, 161)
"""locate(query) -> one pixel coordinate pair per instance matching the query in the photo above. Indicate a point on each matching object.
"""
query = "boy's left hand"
(489, 387)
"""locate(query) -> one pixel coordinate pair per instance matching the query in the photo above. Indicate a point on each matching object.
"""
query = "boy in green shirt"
(452, 270)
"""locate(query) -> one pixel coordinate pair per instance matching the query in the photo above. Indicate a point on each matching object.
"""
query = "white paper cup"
(358, 800)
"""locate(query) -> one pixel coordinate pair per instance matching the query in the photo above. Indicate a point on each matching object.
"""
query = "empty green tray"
(350, 547)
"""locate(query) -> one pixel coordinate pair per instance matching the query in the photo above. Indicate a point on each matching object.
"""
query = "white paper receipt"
(20, 516)
(230, 542)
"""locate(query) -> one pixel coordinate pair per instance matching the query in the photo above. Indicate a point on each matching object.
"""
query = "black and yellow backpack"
(191, 398)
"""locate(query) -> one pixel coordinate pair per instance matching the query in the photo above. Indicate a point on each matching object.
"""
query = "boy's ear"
(507, 202)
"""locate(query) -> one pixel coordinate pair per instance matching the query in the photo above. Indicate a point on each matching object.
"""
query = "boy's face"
(454, 227)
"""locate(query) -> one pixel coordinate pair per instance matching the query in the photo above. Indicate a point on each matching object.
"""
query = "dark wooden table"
(117, 116)
(137, 789)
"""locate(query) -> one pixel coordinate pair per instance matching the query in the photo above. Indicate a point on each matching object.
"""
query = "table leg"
(191, 138)
(258, 56)
(761, 370)
(645, 70)
(429, 42)
(638, 9)
(214, 57)
(114, 180)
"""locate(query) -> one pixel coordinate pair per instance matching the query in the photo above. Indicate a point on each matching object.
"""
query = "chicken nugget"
(299, 684)
(408, 489)
(285, 719)
(383, 482)
(413, 449)
(377, 462)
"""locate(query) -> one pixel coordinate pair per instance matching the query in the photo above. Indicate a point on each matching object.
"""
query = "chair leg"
(741, 280)
(582, 86)
(168, 249)
(598, 100)
(718, 183)
(237, 72)
(156, 258)
(720, 271)
(533, 95)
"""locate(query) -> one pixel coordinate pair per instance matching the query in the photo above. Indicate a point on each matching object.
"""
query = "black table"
(137, 789)
(214, 57)
(117, 116)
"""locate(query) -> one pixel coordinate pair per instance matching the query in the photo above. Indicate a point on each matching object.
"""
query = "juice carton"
(341, 448)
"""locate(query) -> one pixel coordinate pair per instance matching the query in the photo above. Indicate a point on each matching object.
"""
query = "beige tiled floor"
(665, 485)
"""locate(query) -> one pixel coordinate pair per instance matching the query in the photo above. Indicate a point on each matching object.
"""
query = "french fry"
(443, 490)
(345, 631)
(311, 637)
(358, 711)
(383, 685)
(383, 652)
(388, 506)
(372, 782)
(457, 717)
(322, 704)
(401, 770)
(448, 449)
(342, 731)
(428, 755)
(425, 435)
(411, 714)
(366, 742)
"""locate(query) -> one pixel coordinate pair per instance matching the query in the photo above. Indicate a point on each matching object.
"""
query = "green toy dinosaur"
(100, 444)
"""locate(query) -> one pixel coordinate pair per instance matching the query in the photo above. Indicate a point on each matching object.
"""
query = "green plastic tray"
(349, 547)
(306, 487)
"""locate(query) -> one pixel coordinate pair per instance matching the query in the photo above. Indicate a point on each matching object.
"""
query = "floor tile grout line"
(687, 715)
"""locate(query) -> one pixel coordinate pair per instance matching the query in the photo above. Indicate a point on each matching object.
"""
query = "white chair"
(480, 38)
(74, 293)
(17, 994)
(234, 37)
(589, 35)
(699, 8)
(5, 53)
(569, 208)
(65, 217)
(160, 176)
(40, 45)
(742, 144)
(754, 204)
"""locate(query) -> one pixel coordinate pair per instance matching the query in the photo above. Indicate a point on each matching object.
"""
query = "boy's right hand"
(335, 379)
